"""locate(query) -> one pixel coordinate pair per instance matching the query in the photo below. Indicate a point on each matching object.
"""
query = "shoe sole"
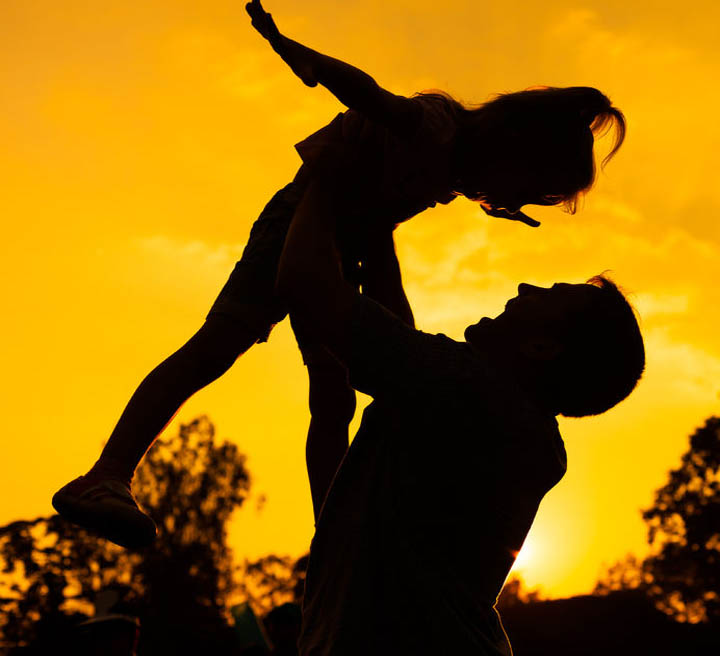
(121, 525)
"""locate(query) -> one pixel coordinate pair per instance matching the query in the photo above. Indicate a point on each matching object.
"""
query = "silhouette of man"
(440, 486)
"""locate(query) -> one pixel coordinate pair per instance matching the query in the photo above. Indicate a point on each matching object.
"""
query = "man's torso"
(428, 510)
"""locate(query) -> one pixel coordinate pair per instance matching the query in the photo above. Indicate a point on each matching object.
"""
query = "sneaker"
(106, 507)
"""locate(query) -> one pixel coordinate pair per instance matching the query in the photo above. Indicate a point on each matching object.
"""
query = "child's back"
(388, 176)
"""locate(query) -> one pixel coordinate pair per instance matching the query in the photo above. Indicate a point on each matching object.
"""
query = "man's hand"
(511, 216)
(296, 56)
(382, 280)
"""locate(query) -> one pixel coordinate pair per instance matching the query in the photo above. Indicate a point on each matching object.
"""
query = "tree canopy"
(190, 485)
(684, 532)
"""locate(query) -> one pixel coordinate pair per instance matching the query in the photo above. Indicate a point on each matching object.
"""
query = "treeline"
(190, 597)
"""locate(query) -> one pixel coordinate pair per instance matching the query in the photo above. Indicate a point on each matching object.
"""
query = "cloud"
(650, 304)
(681, 370)
(182, 274)
(616, 208)
(203, 255)
(596, 42)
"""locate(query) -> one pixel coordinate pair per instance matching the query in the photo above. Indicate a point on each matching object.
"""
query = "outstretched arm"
(351, 86)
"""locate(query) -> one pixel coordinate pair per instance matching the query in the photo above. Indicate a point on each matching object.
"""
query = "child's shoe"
(106, 507)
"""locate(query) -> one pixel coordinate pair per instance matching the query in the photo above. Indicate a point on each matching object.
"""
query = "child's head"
(533, 146)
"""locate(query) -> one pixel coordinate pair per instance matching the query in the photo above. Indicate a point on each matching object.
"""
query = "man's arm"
(382, 280)
(310, 274)
(351, 86)
(384, 355)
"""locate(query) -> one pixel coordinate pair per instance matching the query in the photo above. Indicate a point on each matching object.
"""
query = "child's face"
(514, 199)
(509, 185)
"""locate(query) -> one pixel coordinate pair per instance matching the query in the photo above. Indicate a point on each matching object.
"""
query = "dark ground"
(622, 623)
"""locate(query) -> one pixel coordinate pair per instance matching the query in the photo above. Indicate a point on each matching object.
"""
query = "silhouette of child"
(395, 157)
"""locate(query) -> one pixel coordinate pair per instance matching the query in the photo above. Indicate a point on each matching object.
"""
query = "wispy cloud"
(649, 304)
(683, 370)
(202, 255)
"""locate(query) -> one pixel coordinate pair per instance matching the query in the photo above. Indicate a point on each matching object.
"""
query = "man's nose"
(524, 289)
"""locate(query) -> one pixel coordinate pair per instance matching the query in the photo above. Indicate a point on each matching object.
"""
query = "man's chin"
(477, 330)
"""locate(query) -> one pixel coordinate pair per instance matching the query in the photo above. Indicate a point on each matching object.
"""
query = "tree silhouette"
(684, 531)
(515, 593)
(50, 573)
(190, 486)
(272, 581)
(630, 573)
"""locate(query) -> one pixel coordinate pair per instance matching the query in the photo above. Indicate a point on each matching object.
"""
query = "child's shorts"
(248, 296)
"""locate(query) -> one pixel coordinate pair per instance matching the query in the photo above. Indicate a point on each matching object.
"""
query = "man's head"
(579, 345)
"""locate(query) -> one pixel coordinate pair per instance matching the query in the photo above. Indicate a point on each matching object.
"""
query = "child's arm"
(351, 86)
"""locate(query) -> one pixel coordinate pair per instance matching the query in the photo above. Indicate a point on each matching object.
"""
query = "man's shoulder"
(384, 347)
(372, 316)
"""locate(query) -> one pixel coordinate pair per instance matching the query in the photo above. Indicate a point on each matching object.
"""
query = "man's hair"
(604, 356)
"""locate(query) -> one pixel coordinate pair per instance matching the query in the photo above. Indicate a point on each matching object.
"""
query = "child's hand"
(263, 22)
(296, 56)
(512, 216)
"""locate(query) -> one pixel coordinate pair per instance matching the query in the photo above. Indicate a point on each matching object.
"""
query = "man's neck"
(530, 376)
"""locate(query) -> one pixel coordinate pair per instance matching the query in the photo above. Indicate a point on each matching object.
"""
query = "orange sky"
(141, 138)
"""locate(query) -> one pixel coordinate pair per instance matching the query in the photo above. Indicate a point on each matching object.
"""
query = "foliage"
(515, 593)
(684, 532)
(50, 569)
(272, 581)
(190, 486)
(627, 574)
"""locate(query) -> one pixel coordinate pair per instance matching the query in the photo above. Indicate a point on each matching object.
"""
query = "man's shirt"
(432, 502)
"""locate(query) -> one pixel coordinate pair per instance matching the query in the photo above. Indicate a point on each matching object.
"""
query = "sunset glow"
(525, 557)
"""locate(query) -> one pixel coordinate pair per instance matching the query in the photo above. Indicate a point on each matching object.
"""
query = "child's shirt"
(393, 177)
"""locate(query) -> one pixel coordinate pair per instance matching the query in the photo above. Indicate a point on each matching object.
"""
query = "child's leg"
(101, 501)
(244, 312)
(332, 406)
(203, 359)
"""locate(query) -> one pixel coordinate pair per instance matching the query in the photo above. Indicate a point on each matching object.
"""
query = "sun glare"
(525, 556)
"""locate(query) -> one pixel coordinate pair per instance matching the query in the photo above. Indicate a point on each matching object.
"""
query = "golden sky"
(141, 138)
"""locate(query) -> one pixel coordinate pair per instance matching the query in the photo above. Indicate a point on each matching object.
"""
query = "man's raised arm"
(382, 280)
(310, 273)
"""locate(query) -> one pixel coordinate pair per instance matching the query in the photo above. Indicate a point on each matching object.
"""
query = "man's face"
(537, 311)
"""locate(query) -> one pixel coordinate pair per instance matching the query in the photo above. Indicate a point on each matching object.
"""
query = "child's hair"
(550, 129)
